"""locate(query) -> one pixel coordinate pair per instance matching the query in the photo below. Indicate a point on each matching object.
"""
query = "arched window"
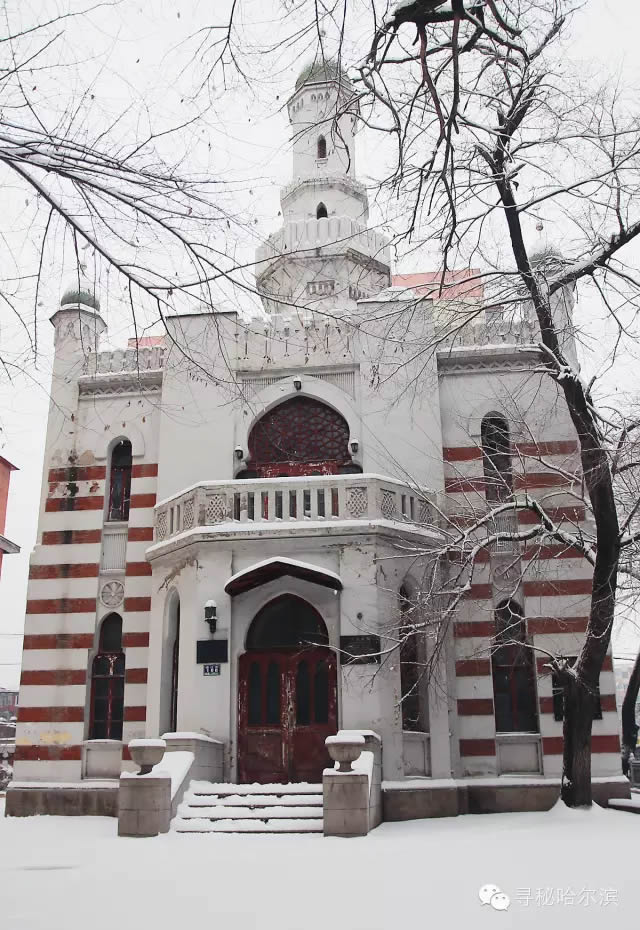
(301, 436)
(514, 685)
(321, 212)
(496, 454)
(120, 481)
(409, 666)
(175, 662)
(322, 148)
(288, 622)
(107, 682)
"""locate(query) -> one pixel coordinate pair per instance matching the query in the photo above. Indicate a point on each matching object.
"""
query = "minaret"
(78, 328)
(324, 256)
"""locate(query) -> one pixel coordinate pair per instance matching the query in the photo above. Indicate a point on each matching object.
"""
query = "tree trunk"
(629, 725)
(576, 763)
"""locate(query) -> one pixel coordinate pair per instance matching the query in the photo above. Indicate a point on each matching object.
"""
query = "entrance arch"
(287, 695)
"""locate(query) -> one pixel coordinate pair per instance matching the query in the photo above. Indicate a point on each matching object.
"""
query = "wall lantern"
(297, 383)
(355, 445)
(211, 615)
(239, 451)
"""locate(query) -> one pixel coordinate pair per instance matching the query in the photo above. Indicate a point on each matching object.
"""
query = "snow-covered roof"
(269, 569)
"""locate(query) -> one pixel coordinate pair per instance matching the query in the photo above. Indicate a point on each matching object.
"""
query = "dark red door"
(287, 708)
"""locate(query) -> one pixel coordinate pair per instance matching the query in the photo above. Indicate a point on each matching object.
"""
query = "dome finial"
(322, 70)
(80, 291)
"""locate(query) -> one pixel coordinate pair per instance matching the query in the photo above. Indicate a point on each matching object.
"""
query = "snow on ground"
(69, 873)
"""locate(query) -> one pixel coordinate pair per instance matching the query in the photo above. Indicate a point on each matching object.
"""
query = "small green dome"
(74, 295)
(322, 71)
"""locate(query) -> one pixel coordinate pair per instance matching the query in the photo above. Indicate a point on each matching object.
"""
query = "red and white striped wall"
(63, 614)
(555, 596)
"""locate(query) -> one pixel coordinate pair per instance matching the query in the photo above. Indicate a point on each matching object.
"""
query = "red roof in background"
(455, 284)
(145, 342)
(8, 464)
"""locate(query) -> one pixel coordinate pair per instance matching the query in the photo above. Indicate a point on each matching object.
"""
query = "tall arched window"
(120, 481)
(301, 436)
(107, 682)
(496, 454)
(514, 685)
(175, 663)
(322, 147)
(409, 666)
(321, 212)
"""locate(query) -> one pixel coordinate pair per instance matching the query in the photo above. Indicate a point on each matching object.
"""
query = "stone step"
(252, 800)
(200, 825)
(224, 788)
(247, 813)
(221, 807)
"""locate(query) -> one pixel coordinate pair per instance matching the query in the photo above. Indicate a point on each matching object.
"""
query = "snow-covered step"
(243, 813)
(252, 800)
(220, 807)
(220, 788)
(246, 826)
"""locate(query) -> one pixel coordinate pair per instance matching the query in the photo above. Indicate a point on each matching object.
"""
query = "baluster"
(335, 502)
(306, 503)
(342, 502)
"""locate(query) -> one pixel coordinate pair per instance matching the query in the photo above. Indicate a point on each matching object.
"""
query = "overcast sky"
(141, 52)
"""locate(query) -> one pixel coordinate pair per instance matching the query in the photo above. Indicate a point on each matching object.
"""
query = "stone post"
(144, 799)
(352, 798)
(144, 805)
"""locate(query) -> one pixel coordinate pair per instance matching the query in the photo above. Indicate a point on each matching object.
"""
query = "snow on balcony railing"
(295, 500)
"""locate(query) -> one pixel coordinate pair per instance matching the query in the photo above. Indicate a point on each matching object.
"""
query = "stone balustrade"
(324, 498)
(308, 234)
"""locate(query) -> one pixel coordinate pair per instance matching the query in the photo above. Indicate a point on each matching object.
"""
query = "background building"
(6, 546)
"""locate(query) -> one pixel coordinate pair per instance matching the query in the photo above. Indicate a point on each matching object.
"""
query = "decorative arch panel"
(301, 436)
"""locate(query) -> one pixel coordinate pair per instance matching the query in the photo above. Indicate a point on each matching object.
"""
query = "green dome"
(75, 295)
(322, 71)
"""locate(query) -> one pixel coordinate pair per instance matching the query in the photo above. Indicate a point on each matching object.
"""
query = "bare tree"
(119, 184)
(496, 118)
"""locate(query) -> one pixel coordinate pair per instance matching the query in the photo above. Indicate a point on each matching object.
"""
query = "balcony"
(284, 506)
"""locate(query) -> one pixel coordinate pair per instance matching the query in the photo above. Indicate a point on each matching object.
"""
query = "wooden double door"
(287, 708)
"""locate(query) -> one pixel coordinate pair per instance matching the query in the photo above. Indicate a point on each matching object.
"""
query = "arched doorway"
(287, 702)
